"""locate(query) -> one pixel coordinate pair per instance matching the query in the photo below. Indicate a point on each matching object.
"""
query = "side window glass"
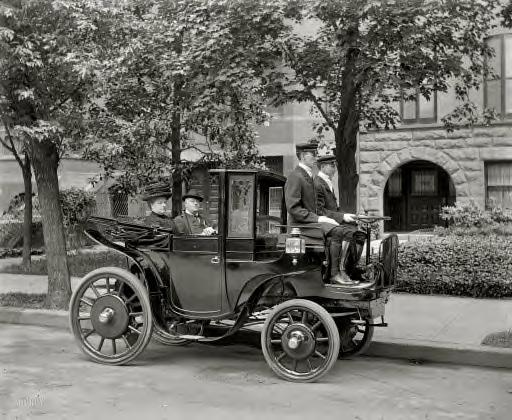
(269, 210)
(241, 192)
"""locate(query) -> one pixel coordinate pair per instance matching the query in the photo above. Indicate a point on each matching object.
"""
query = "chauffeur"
(190, 222)
(156, 195)
(328, 206)
(301, 202)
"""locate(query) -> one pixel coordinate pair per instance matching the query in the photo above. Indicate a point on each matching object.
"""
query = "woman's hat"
(156, 190)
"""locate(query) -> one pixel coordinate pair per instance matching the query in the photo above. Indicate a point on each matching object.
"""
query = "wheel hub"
(109, 316)
(298, 341)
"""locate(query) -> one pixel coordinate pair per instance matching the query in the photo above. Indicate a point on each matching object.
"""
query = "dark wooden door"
(423, 212)
(414, 195)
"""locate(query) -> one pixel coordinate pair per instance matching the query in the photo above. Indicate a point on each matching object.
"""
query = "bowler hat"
(193, 194)
(306, 147)
(155, 190)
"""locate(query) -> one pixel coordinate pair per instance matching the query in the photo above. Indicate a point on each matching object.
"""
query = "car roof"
(260, 172)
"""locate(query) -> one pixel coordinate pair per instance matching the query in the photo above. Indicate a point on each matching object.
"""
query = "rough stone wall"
(462, 154)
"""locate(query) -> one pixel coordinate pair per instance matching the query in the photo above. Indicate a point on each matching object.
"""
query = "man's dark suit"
(301, 203)
(187, 224)
(326, 201)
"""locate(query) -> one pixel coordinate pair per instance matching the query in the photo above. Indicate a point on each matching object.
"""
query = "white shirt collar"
(192, 214)
(326, 179)
(307, 169)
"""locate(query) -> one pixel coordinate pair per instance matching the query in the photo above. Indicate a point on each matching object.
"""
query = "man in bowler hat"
(190, 222)
(156, 195)
(301, 203)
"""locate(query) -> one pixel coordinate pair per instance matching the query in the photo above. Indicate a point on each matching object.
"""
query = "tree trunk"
(27, 214)
(346, 146)
(347, 128)
(45, 161)
(176, 160)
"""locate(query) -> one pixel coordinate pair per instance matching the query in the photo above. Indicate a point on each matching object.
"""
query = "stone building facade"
(462, 157)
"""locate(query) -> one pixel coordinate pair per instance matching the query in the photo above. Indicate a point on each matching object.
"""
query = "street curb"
(416, 350)
(39, 317)
(442, 352)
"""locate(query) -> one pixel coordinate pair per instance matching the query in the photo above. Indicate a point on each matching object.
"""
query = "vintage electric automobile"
(256, 273)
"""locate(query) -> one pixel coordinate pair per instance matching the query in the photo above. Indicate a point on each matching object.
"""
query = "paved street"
(44, 375)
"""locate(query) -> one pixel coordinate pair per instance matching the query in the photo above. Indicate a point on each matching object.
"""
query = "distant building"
(410, 172)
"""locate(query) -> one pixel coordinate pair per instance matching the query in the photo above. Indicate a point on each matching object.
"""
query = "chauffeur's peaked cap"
(306, 147)
(326, 159)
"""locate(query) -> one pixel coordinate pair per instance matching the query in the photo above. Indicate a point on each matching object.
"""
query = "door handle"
(215, 260)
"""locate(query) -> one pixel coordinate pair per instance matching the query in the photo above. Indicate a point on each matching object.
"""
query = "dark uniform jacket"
(161, 220)
(301, 202)
(187, 224)
(326, 201)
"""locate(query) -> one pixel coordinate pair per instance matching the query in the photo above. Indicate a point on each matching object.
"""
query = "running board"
(191, 337)
(363, 322)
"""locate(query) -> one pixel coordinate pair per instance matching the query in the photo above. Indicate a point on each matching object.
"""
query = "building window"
(498, 87)
(118, 203)
(274, 163)
(498, 178)
(424, 182)
(419, 110)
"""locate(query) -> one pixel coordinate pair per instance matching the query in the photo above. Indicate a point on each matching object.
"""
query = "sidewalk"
(420, 328)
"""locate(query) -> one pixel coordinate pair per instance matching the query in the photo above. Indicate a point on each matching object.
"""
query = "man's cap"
(306, 147)
(193, 194)
(156, 190)
(326, 159)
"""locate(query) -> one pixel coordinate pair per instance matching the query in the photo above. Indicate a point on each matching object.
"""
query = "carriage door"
(196, 262)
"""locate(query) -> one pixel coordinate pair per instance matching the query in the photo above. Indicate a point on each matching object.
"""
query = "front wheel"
(300, 341)
(110, 316)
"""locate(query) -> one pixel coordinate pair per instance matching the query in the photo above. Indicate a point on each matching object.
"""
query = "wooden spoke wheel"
(300, 341)
(354, 338)
(110, 316)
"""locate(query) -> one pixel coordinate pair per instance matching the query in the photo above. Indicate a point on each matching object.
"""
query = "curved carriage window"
(240, 219)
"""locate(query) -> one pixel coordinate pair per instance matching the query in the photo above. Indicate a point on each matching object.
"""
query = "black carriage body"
(213, 277)
(184, 288)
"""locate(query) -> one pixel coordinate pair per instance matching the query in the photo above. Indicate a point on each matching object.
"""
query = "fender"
(254, 289)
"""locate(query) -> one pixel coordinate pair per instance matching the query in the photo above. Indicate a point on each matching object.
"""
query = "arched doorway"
(414, 195)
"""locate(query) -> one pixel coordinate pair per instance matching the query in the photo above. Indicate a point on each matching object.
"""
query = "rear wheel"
(110, 316)
(354, 338)
(300, 341)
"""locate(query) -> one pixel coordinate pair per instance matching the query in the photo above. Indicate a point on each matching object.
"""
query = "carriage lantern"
(295, 245)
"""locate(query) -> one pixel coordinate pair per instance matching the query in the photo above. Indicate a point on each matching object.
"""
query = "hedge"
(476, 266)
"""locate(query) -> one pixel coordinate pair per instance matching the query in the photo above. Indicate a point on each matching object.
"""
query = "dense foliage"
(354, 61)
(476, 266)
(183, 85)
(77, 206)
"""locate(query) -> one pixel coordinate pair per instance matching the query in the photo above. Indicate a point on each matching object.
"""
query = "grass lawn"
(79, 264)
(23, 300)
(499, 339)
